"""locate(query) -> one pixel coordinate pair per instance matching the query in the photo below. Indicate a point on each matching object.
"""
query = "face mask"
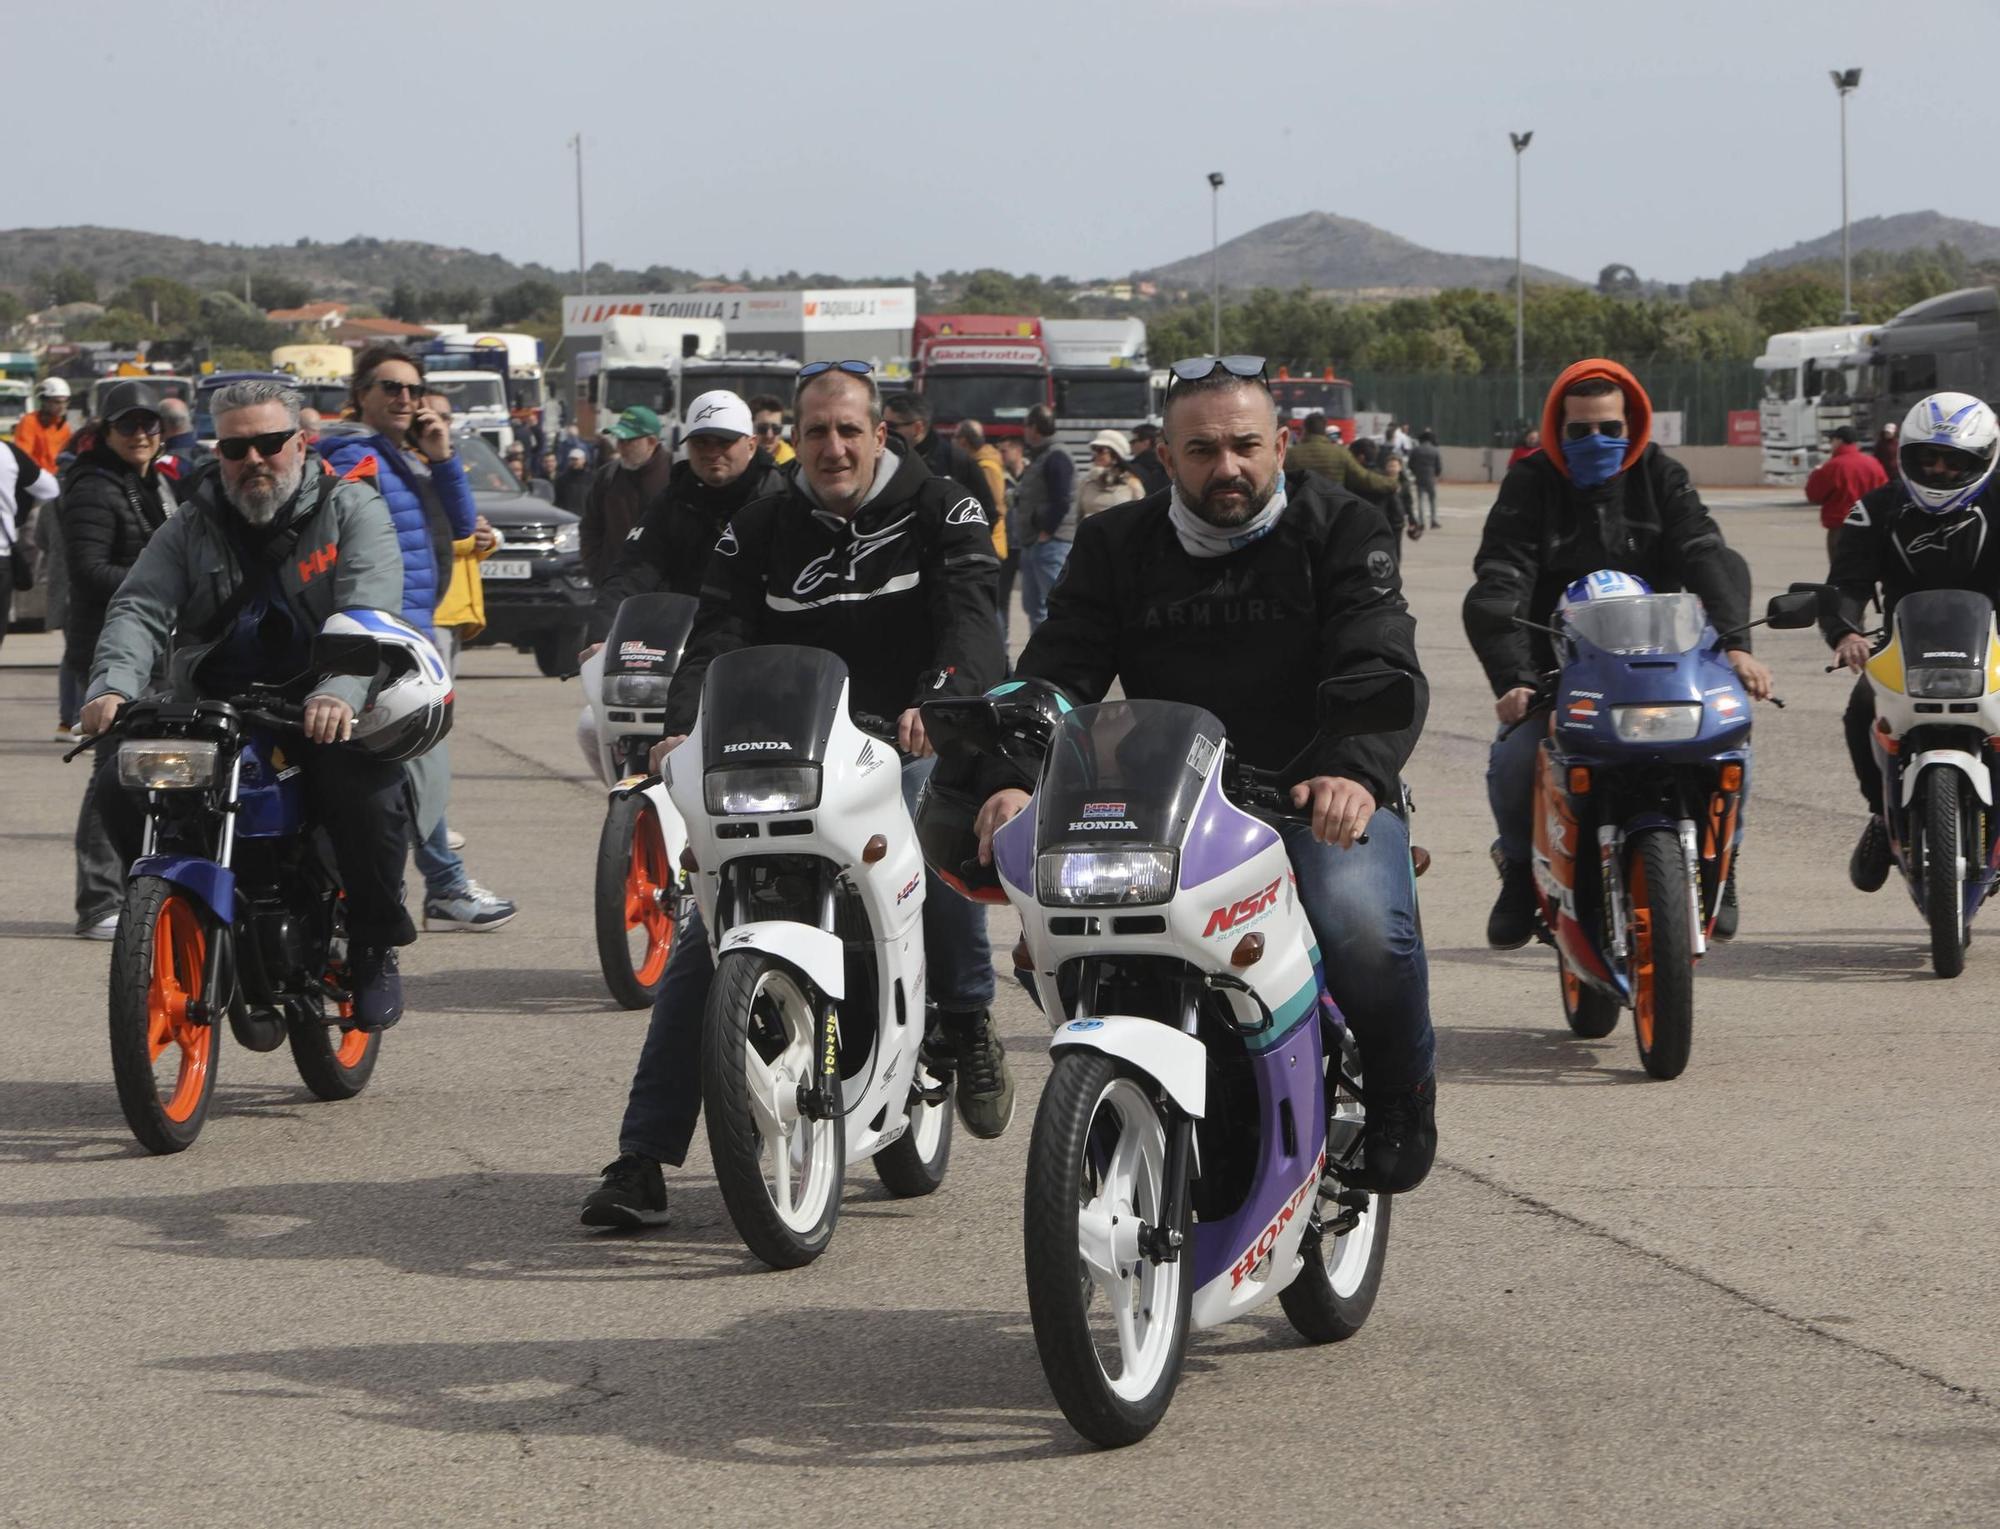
(1595, 459)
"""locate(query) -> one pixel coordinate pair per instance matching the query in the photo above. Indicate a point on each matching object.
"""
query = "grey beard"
(1253, 505)
(259, 506)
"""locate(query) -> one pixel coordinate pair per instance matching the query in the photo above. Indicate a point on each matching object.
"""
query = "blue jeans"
(665, 1098)
(1362, 906)
(1510, 785)
(1041, 565)
(443, 872)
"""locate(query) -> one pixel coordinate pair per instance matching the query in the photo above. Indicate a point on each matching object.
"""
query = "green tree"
(177, 304)
(532, 299)
(12, 310)
(404, 303)
(71, 285)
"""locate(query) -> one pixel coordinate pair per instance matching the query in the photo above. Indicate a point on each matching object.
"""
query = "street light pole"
(582, 270)
(1215, 257)
(1520, 142)
(1845, 80)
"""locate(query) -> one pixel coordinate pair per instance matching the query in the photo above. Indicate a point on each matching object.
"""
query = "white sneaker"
(454, 840)
(64, 733)
(105, 928)
(473, 909)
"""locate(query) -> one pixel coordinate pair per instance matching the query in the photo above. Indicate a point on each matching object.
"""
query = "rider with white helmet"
(1930, 527)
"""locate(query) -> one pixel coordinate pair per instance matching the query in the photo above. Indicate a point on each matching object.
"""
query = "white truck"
(1102, 379)
(1811, 380)
(640, 364)
(478, 399)
(518, 355)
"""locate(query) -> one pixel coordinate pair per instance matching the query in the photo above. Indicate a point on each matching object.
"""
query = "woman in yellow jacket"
(461, 614)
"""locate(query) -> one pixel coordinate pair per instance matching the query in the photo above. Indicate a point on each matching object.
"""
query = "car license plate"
(506, 568)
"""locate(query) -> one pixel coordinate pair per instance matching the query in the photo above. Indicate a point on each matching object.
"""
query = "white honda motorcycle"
(811, 888)
(641, 891)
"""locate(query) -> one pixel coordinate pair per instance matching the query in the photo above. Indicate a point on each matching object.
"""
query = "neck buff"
(1200, 539)
(1594, 460)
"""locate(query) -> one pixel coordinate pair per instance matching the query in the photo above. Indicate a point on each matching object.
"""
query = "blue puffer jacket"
(424, 579)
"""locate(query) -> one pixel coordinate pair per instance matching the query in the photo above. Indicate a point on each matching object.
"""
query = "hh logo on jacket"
(313, 564)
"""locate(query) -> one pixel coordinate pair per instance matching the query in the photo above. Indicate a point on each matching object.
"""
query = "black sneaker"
(1727, 914)
(1868, 866)
(1511, 924)
(966, 1046)
(633, 1194)
(1398, 1140)
(376, 984)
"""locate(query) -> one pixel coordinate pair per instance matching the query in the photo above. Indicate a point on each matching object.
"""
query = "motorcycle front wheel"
(164, 1049)
(1662, 952)
(1111, 1324)
(779, 1169)
(1942, 817)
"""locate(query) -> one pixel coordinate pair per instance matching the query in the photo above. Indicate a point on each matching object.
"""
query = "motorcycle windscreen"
(766, 705)
(1640, 624)
(649, 634)
(1125, 771)
(1944, 628)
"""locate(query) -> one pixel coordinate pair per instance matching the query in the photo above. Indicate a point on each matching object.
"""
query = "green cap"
(635, 422)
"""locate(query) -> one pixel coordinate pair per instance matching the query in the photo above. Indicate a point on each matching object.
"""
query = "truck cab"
(989, 367)
(1947, 343)
(1102, 380)
(745, 373)
(1811, 379)
(1326, 394)
(641, 364)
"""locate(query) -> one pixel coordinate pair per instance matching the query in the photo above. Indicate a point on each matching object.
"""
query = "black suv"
(536, 591)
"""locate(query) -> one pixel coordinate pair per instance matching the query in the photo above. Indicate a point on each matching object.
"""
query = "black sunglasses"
(1584, 429)
(399, 389)
(770, 429)
(1197, 367)
(234, 448)
(814, 369)
(137, 424)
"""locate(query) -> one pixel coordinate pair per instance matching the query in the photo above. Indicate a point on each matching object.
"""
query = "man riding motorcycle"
(269, 547)
(1927, 528)
(1239, 589)
(1600, 496)
(865, 554)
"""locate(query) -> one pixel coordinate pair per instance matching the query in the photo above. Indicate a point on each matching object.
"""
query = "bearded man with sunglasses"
(862, 552)
(232, 591)
(1599, 494)
(1239, 588)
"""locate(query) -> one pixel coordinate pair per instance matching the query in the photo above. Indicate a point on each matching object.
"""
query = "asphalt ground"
(1760, 1294)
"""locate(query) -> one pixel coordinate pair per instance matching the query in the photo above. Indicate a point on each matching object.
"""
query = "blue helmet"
(1605, 584)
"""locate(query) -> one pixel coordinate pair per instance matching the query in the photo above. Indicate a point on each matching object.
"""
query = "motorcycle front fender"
(212, 885)
(1173, 1059)
(814, 953)
(1970, 765)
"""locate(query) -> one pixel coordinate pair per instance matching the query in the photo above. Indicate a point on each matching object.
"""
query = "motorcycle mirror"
(961, 724)
(1789, 612)
(1377, 701)
(344, 653)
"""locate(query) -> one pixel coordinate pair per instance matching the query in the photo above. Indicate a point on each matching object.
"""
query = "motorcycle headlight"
(1928, 682)
(167, 764)
(637, 689)
(569, 538)
(1104, 878)
(761, 788)
(1672, 723)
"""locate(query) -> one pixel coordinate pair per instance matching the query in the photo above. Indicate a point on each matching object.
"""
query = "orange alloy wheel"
(1642, 953)
(649, 895)
(180, 952)
(353, 1045)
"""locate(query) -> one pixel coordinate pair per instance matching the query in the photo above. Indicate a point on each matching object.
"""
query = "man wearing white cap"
(668, 549)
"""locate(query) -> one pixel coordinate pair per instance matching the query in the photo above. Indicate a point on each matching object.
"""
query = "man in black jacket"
(668, 550)
(866, 554)
(1240, 590)
(1928, 527)
(909, 415)
(1600, 496)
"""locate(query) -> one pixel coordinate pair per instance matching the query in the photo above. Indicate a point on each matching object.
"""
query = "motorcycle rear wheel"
(1336, 1288)
(1111, 1324)
(163, 1060)
(637, 902)
(1591, 1014)
(1662, 952)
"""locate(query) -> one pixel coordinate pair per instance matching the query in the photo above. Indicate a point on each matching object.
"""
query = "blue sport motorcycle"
(1639, 792)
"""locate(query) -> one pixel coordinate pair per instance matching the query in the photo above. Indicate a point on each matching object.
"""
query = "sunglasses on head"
(399, 389)
(1197, 367)
(234, 448)
(1583, 429)
(814, 369)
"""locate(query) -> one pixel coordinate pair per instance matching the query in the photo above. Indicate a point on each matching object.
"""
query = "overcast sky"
(859, 136)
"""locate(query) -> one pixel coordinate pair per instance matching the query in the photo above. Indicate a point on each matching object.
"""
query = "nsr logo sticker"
(1248, 911)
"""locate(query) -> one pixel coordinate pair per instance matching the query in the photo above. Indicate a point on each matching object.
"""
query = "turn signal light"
(1732, 777)
(1249, 951)
(1579, 780)
(874, 850)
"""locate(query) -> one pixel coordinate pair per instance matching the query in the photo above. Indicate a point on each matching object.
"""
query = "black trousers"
(363, 804)
(1857, 722)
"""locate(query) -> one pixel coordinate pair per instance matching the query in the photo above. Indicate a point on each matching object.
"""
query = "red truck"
(1326, 394)
(991, 367)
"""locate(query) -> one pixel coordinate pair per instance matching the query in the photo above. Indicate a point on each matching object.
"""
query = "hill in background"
(1896, 235)
(1330, 253)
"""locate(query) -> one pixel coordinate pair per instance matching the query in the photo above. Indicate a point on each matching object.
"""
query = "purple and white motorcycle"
(1204, 1097)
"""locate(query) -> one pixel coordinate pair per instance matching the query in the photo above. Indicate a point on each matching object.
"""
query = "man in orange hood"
(1597, 495)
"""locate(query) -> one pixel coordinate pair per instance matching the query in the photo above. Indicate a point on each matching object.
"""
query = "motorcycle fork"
(820, 1099)
(1162, 1244)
